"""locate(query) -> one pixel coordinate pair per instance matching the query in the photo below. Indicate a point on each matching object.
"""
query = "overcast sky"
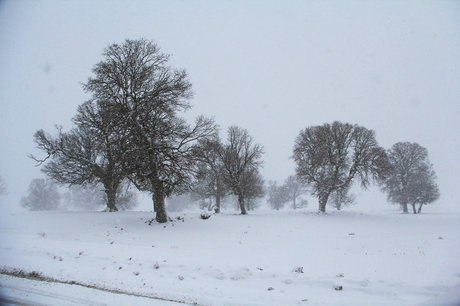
(273, 67)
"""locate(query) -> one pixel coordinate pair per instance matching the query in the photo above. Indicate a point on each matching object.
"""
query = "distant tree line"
(130, 132)
(45, 194)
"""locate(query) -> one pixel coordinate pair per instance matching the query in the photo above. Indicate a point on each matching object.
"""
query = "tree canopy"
(240, 156)
(412, 180)
(330, 157)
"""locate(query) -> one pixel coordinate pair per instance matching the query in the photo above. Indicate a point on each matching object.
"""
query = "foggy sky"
(273, 67)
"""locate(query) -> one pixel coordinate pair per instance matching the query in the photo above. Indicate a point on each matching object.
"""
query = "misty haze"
(229, 153)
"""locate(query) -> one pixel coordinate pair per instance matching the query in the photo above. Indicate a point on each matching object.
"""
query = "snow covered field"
(265, 258)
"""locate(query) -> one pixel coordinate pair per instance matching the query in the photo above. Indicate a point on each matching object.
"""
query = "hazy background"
(273, 67)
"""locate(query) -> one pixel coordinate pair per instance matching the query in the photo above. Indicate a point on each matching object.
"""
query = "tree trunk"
(217, 208)
(420, 208)
(111, 196)
(153, 201)
(159, 202)
(322, 203)
(413, 208)
(293, 203)
(218, 191)
(241, 202)
(405, 210)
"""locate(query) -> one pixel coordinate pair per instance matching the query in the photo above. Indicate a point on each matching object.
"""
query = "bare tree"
(413, 179)
(146, 96)
(42, 194)
(240, 155)
(329, 157)
(253, 188)
(341, 198)
(277, 195)
(208, 179)
(294, 189)
(91, 153)
(290, 191)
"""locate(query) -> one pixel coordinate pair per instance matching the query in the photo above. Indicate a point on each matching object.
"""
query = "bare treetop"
(137, 71)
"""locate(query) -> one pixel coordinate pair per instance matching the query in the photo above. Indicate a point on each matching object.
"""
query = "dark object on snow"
(298, 270)
(205, 216)
(338, 288)
(339, 275)
(270, 289)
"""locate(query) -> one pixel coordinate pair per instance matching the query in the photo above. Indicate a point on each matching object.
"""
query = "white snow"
(379, 258)
(31, 292)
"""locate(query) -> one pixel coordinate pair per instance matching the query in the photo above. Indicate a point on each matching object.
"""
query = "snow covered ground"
(32, 292)
(264, 258)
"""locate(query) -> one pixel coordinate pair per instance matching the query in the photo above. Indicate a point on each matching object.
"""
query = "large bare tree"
(146, 96)
(330, 157)
(240, 156)
(413, 179)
